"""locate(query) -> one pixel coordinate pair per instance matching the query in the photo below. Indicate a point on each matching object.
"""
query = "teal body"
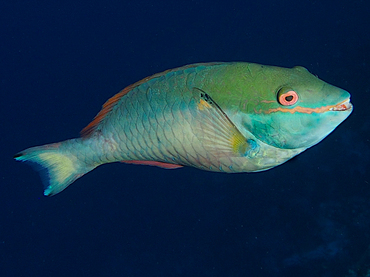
(227, 117)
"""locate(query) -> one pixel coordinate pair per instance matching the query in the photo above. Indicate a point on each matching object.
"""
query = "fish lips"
(345, 105)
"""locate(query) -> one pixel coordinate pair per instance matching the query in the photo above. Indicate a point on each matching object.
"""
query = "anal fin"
(155, 163)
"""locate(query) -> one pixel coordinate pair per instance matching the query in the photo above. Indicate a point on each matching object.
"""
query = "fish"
(222, 116)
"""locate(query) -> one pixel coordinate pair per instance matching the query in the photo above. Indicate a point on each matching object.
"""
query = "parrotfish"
(223, 117)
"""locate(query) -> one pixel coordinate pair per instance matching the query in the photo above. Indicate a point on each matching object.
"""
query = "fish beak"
(342, 106)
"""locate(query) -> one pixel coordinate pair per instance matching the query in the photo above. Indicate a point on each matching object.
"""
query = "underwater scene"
(251, 157)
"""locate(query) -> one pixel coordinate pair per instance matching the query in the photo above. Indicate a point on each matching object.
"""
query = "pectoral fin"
(217, 132)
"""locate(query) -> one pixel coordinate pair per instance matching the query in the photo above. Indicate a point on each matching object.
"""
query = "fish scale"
(223, 117)
(176, 135)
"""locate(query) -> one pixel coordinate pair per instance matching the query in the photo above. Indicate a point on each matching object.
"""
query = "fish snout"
(345, 105)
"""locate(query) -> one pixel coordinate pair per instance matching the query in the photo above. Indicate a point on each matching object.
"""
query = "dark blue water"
(61, 60)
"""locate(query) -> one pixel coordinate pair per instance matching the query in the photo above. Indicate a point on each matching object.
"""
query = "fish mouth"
(345, 105)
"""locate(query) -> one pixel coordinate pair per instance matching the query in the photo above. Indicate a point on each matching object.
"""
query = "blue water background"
(61, 60)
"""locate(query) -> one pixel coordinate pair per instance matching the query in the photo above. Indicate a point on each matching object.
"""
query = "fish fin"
(57, 169)
(155, 163)
(107, 107)
(219, 135)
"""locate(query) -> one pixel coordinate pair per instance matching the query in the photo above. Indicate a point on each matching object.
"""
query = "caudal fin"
(57, 168)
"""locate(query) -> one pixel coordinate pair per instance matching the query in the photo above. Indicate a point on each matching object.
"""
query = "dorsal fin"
(108, 106)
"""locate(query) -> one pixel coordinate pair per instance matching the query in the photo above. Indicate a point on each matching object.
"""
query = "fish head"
(295, 109)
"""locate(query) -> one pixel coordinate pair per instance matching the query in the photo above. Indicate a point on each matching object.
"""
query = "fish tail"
(58, 166)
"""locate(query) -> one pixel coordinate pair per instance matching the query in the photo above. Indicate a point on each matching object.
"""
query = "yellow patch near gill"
(61, 166)
(203, 105)
(238, 143)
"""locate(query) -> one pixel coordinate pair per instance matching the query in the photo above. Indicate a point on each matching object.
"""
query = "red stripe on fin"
(107, 107)
(154, 163)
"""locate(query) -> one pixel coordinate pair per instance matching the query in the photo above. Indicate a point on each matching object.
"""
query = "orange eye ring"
(287, 97)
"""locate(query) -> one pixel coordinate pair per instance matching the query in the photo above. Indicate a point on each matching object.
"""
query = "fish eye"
(287, 96)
